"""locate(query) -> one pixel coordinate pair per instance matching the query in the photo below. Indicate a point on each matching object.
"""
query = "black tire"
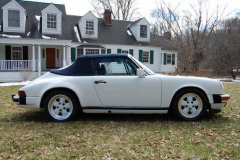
(189, 105)
(60, 106)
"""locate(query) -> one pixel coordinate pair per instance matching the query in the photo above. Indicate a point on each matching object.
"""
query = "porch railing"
(16, 65)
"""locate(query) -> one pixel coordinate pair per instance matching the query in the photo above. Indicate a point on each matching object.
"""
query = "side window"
(113, 66)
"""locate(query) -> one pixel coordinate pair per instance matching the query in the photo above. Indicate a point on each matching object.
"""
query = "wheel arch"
(57, 89)
(181, 89)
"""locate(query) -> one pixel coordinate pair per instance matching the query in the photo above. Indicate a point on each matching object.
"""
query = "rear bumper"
(219, 101)
(26, 102)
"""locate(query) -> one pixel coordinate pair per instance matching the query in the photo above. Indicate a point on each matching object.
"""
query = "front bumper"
(219, 101)
(26, 102)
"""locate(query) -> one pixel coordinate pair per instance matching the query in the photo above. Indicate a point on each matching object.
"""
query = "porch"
(28, 58)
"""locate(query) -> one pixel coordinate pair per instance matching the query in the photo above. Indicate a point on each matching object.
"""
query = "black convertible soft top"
(82, 66)
(66, 71)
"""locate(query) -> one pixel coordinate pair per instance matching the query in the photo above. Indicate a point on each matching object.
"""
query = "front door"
(50, 55)
(128, 91)
(117, 85)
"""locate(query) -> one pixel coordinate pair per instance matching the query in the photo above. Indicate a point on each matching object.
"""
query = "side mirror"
(141, 73)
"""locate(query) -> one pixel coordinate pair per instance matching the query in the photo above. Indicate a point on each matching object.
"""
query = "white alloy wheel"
(60, 107)
(190, 105)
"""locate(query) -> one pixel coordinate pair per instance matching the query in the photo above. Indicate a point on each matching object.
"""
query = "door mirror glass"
(141, 73)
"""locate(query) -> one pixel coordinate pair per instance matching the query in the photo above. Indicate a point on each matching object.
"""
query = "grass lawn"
(27, 134)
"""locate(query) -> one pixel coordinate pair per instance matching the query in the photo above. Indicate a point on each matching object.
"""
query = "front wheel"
(190, 105)
(60, 106)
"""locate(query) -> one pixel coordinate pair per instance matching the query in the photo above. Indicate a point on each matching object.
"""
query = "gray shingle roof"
(117, 34)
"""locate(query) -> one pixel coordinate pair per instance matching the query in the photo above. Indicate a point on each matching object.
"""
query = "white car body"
(121, 94)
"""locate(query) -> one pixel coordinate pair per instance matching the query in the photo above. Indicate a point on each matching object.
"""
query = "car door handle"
(100, 81)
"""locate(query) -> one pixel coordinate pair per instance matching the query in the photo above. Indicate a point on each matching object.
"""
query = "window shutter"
(109, 51)
(165, 59)
(140, 55)
(119, 50)
(131, 51)
(25, 52)
(151, 56)
(8, 52)
(73, 54)
(173, 59)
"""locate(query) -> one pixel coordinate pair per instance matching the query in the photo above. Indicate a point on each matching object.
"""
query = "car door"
(118, 86)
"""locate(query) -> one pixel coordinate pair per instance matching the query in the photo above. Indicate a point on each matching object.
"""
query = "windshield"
(146, 69)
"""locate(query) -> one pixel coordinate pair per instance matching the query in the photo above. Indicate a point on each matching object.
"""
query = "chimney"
(108, 18)
(168, 35)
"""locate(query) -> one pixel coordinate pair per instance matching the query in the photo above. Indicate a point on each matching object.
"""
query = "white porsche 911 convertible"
(118, 83)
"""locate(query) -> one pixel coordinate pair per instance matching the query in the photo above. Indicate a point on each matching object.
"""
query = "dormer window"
(143, 31)
(89, 27)
(52, 21)
(13, 18)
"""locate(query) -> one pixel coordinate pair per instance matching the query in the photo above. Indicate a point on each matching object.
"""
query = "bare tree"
(225, 56)
(121, 9)
(191, 30)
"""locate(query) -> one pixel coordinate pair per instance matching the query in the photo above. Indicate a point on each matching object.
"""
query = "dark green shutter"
(131, 51)
(8, 52)
(165, 59)
(173, 59)
(151, 56)
(109, 51)
(25, 52)
(73, 54)
(119, 50)
(140, 55)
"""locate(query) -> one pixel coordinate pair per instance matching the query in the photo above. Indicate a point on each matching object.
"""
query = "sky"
(145, 7)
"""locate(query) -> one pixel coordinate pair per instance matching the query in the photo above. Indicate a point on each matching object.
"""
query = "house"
(36, 37)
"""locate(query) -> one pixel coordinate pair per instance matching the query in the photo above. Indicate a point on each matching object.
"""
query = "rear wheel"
(190, 105)
(60, 106)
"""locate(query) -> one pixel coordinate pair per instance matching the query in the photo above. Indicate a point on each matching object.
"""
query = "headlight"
(221, 84)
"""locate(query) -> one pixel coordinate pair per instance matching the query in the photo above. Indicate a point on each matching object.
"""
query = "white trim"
(33, 58)
(30, 41)
(39, 60)
(64, 56)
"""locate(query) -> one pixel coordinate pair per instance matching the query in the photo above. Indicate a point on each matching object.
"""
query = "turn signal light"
(225, 98)
(22, 93)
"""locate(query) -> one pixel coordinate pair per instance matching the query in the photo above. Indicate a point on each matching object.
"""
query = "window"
(13, 18)
(52, 21)
(103, 51)
(16, 53)
(145, 57)
(92, 51)
(169, 59)
(143, 31)
(89, 27)
(125, 51)
(79, 52)
(113, 66)
(43, 53)
(57, 53)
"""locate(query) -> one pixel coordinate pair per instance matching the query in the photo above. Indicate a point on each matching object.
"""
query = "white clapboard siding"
(17, 76)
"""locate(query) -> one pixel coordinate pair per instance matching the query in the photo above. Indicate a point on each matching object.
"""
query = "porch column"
(69, 55)
(76, 53)
(33, 59)
(84, 51)
(100, 51)
(39, 61)
(64, 58)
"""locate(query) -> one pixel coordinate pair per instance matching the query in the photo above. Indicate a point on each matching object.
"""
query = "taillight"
(22, 93)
